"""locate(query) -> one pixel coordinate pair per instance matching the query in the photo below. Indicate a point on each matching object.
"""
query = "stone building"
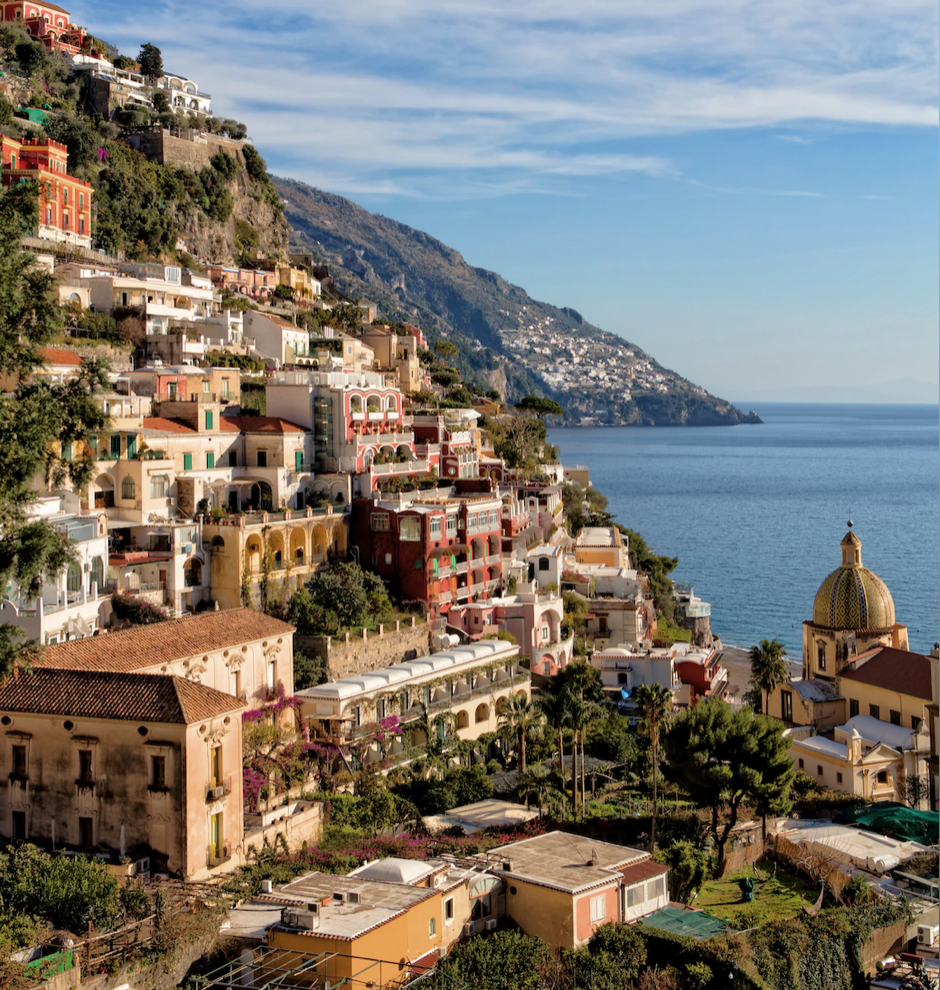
(127, 764)
(242, 653)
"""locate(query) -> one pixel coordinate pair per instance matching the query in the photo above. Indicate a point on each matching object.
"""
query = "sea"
(755, 513)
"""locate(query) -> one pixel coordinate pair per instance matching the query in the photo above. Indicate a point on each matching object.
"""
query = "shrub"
(225, 165)
(132, 608)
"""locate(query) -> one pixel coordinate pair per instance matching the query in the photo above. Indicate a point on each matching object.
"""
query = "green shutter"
(187, 462)
(208, 420)
(131, 445)
(298, 460)
(210, 457)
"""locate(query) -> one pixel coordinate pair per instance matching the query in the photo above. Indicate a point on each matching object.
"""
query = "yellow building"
(242, 653)
(600, 545)
(126, 765)
(283, 548)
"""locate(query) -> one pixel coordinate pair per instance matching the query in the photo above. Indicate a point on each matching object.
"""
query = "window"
(81, 201)
(158, 773)
(472, 523)
(209, 419)
(187, 462)
(225, 388)
(233, 458)
(916, 722)
(380, 522)
(882, 777)
(210, 459)
(173, 390)
(215, 766)
(432, 927)
(449, 910)
(409, 529)
(786, 705)
(159, 486)
(436, 528)
(838, 778)
(895, 717)
(215, 836)
(821, 656)
(874, 711)
(20, 771)
(598, 909)
(451, 525)
(380, 709)
(819, 771)
(800, 763)
(128, 487)
(81, 225)
(115, 445)
(298, 460)
(86, 833)
(636, 894)
(205, 387)
(85, 770)
(131, 445)
(494, 519)
(262, 458)
(19, 826)
(623, 679)
(544, 563)
(853, 708)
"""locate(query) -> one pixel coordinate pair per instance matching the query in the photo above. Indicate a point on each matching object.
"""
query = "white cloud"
(473, 95)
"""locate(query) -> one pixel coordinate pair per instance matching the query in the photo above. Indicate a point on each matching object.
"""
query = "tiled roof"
(636, 872)
(893, 670)
(100, 694)
(57, 355)
(140, 647)
(259, 424)
(163, 424)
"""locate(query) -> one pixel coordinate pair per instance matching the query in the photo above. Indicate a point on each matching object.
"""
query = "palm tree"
(768, 668)
(521, 719)
(534, 780)
(554, 704)
(582, 714)
(654, 703)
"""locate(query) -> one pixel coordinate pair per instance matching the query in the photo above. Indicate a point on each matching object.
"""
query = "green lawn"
(774, 897)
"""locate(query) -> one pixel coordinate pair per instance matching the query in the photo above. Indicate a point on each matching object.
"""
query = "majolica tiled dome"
(852, 597)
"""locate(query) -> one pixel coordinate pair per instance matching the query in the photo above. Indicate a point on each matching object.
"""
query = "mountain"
(507, 340)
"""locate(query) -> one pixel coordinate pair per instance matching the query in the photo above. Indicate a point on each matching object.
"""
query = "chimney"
(507, 866)
(267, 887)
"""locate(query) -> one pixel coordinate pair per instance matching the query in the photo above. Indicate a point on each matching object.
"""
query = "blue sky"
(745, 188)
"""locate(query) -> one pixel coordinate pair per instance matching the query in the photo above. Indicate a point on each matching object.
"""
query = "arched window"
(390, 404)
(543, 563)
(128, 487)
(97, 573)
(73, 580)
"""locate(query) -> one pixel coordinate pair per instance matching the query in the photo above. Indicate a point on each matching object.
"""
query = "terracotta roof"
(258, 424)
(127, 697)
(58, 355)
(636, 872)
(163, 424)
(893, 670)
(281, 322)
(140, 647)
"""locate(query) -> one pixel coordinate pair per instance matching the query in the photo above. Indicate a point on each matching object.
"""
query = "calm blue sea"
(755, 513)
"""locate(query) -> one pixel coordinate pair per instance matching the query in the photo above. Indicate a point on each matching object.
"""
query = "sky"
(747, 189)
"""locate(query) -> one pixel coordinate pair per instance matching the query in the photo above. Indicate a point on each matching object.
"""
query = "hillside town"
(319, 669)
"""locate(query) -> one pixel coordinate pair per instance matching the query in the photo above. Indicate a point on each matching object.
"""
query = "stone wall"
(185, 153)
(359, 653)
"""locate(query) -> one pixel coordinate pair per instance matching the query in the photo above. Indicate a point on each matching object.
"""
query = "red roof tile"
(57, 355)
(894, 670)
(259, 424)
(163, 424)
(140, 647)
(643, 870)
(101, 694)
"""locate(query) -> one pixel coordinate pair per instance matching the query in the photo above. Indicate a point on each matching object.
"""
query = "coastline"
(736, 660)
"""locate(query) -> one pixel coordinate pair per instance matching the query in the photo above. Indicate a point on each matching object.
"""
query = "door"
(19, 826)
(86, 834)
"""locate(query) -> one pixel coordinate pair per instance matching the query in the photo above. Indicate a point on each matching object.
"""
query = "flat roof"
(482, 814)
(378, 902)
(400, 673)
(599, 536)
(566, 862)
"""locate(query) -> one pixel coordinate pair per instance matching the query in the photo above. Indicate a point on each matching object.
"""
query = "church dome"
(852, 597)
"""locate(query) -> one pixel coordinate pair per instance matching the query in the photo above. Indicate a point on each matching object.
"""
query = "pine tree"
(150, 61)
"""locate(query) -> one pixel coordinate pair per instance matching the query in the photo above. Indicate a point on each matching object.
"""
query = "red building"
(64, 201)
(438, 550)
(703, 673)
(448, 446)
(47, 23)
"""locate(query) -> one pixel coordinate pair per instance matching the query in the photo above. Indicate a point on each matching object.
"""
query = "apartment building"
(65, 203)
(73, 603)
(276, 338)
(439, 549)
(240, 652)
(169, 747)
(445, 440)
(46, 22)
(458, 693)
(398, 354)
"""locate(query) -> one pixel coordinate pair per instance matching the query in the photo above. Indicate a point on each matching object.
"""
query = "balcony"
(394, 439)
(408, 467)
(461, 567)
(217, 791)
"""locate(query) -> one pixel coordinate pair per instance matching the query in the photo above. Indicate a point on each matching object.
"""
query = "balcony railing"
(218, 790)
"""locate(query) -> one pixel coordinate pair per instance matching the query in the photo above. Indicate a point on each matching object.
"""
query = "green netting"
(683, 922)
(895, 820)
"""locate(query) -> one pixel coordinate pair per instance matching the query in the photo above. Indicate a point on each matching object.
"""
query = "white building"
(185, 96)
(275, 338)
(468, 686)
(624, 670)
(73, 603)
